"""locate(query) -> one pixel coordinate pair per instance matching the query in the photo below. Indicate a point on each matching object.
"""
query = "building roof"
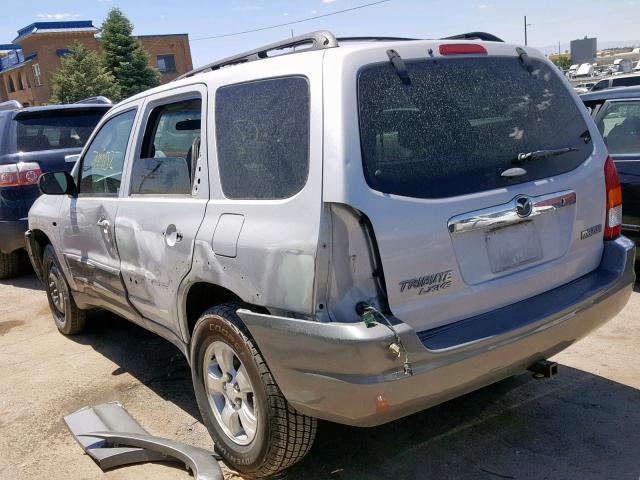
(55, 27)
(7, 47)
(163, 35)
(7, 64)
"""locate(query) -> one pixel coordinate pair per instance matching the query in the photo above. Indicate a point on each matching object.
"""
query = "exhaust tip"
(544, 369)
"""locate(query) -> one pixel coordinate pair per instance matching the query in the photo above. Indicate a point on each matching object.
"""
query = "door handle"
(103, 223)
(172, 235)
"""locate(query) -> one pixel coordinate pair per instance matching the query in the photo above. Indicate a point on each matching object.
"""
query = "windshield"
(56, 129)
(460, 123)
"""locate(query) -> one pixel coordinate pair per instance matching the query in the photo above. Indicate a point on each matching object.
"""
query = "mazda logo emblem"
(524, 206)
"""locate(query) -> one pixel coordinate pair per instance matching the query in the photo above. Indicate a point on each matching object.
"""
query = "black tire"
(283, 435)
(9, 265)
(69, 319)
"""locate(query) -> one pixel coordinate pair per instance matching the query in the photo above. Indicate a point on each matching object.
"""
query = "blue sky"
(551, 21)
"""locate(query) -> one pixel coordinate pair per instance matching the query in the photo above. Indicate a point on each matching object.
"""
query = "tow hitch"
(544, 369)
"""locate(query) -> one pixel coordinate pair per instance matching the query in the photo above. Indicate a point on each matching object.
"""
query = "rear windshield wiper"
(526, 157)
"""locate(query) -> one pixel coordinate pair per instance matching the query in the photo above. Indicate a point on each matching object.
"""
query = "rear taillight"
(17, 174)
(613, 226)
(462, 49)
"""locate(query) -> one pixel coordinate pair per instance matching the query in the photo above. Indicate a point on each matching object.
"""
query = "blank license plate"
(509, 247)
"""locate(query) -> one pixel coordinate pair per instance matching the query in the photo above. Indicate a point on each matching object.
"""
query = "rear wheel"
(254, 428)
(9, 264)
(68, 317)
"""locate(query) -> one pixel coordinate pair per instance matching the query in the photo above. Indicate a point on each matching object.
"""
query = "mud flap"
(112, 437)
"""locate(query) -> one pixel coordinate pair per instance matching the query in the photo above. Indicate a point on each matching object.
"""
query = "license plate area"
(512, 246)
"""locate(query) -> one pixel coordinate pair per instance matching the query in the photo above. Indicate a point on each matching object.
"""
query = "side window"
(601, 85)
(626, 81)
(620, 127)
(101, 171)
(262, 134)
(170, 150)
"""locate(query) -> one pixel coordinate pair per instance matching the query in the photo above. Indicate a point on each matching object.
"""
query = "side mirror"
(57, 183)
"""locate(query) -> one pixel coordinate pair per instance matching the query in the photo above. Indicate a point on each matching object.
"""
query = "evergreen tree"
(124, 56)
(82, 75)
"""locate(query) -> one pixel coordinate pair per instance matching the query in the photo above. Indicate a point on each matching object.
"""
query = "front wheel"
(254, 428)
(68, 317)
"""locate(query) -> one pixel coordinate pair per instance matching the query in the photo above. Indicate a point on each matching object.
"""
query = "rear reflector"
(462, 49)
(17, 174)
(613, 226)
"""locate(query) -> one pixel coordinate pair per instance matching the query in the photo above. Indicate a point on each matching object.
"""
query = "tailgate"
(483, 183)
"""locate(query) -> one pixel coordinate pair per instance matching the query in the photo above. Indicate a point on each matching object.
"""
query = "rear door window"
(170, 150)
(56, 129)
(626, 81)
(461, 122)
(262, 135)
(619, 124)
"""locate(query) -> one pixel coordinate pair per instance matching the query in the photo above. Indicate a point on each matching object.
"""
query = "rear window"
(461, 122)
(56, 129)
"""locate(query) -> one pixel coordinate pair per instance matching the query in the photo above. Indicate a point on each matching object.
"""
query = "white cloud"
(101, 1)
(485, 6)
(58, 16)
(328, 1)
(313, 12)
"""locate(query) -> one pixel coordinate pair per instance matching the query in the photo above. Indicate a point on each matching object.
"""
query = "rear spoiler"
(486, 37)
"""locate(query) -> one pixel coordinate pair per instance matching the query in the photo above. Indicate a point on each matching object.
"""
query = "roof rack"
(10, 105)
(375, 39)
(317, 40)
(487, 37)
(100, 99)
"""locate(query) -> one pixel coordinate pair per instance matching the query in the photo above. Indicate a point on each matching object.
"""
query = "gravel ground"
(583, 424)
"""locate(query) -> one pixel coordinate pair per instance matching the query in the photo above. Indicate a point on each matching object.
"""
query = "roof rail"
(375, 39)
(487, 37)
(318, 40)
(99, 99)
(10, 105)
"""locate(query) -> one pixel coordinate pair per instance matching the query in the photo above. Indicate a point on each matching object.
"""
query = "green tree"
(562, 61)
(82, 75)
(124, 56)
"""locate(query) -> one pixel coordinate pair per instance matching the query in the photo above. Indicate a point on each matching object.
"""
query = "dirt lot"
(583, 424)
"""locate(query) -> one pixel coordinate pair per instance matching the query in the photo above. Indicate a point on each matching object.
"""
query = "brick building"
(28, 63)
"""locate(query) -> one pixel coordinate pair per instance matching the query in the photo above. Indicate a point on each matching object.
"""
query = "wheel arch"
(201, 296)
(37, 241)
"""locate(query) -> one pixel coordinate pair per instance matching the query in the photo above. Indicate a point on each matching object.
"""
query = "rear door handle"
(103, 223)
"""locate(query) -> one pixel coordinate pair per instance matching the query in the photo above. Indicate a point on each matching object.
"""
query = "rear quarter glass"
(461, 122)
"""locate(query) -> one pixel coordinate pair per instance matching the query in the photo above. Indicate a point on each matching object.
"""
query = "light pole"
(525, 29)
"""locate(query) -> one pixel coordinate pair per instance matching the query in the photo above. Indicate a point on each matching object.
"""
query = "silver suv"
(353, 230)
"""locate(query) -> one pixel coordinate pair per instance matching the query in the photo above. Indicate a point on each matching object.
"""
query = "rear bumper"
(337, 371)
(12, 235)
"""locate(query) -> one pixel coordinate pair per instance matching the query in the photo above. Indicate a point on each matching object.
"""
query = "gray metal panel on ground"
(109, 417)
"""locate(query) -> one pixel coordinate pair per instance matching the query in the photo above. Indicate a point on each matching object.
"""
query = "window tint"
(601, 85)
(170, 150)
(101, 171)
(57, 130)
(262, 132)
(626, 81)
(461, 122)
(620, 127)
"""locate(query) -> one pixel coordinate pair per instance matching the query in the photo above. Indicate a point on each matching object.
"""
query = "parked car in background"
(617, 115)
(617, 81)
(622, 65)
(352, 231)
(34, 140)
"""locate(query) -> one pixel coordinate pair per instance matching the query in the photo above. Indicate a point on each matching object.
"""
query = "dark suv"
(32, 141)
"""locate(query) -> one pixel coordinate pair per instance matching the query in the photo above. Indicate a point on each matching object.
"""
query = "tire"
(9, 265)
(69, 319)
(282, 436)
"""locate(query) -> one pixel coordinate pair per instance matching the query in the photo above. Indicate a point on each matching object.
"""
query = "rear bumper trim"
(336, 371)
